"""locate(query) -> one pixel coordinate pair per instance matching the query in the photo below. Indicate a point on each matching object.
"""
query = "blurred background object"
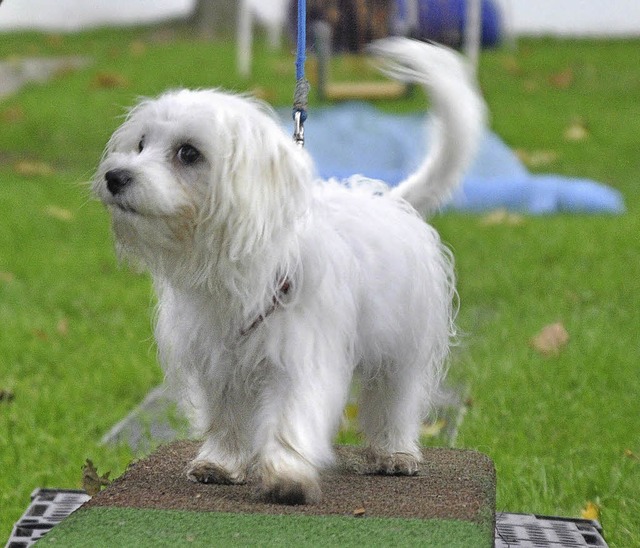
(522, 17)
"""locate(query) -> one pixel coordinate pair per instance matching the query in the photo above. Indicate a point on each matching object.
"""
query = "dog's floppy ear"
(262, 185)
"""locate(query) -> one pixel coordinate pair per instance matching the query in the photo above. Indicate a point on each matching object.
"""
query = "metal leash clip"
(298, 132)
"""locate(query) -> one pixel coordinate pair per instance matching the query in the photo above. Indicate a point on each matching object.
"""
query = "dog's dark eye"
(141, 144)
(188, 155)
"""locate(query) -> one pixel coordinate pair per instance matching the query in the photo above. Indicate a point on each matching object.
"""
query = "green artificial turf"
(76, 348)
(107, 527)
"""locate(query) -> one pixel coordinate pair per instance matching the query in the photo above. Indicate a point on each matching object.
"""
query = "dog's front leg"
(215, 465)
(288, 477)
(298, 423)
(225, 453)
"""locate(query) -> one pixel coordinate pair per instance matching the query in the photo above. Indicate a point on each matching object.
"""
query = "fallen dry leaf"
(350, 416)
(502, 217)
(40, 334)
(591, 511)
(13, 115)
(359, 512)
(63, 327)
(55, 40)
(110, 80)
(631, 455)
(433, 429)
(92, 483)
(351, 411)
(57, 212)
(137, 48)
(29, 168)
(510, 64)
(576, 131)
(163, 35)
(264, 94)
(551, 340)
(7, 277)
(563, 79)
(537, 158)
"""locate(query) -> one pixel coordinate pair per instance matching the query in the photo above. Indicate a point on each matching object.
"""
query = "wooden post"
(322, 39)
(244, 42)
(473, 32)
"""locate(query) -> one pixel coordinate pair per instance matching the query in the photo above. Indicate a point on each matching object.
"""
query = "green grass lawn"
(76, 349)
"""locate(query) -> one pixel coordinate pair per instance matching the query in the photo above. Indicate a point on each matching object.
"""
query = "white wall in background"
(566, 17)
(69, 15)
(574, 17)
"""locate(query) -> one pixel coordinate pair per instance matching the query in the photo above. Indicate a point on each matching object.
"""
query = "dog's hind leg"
(390, 412)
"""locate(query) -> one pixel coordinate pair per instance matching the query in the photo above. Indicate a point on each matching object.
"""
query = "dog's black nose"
(118, 179)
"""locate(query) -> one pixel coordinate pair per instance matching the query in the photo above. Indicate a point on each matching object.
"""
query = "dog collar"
(283, 289)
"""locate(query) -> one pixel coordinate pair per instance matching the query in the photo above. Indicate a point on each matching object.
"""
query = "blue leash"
(301, 94)
(302, 39)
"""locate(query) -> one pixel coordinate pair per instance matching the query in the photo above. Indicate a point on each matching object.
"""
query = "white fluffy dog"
(274, 287)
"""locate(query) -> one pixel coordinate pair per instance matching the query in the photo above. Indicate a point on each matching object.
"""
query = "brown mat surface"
(451, 484)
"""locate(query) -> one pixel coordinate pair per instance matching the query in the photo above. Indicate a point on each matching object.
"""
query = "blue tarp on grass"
(356, 138)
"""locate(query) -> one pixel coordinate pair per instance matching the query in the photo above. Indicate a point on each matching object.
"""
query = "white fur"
(267, 371)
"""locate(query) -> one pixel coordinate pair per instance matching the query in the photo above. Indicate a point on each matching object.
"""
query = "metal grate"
(48, 508)
(530, 531)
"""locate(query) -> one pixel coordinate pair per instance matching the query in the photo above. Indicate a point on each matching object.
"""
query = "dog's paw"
(292, 492)
(202, 471)
(394, 464)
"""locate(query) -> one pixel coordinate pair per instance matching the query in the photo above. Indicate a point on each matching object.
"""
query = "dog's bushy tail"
(458, 116)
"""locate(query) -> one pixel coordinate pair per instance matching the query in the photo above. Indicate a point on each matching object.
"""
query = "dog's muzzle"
(117, 180)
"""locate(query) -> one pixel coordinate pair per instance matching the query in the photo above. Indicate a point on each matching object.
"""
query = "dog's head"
(196, 176)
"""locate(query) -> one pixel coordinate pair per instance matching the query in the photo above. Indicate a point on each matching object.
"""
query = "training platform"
(451, 502)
